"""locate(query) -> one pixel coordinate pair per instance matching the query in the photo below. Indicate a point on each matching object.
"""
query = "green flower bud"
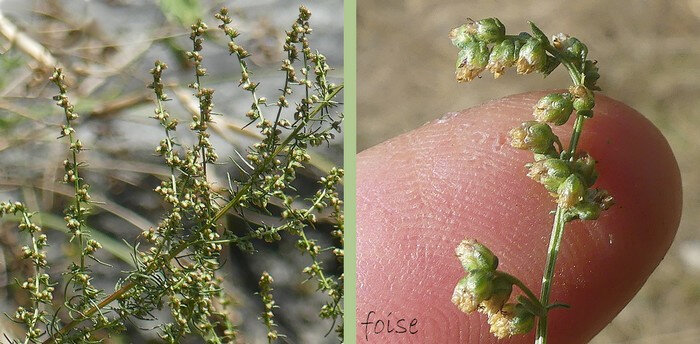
(535, 136)
(590, 75)
(583, 98)
(463, 298)
(472, 60)
(584, 166)
(523, 321)
(550, 173)
(460, 36)
(480, 284)
(571, 191)
(594, 202)
(503, 56)
(512, 320)
(502, 288)
(532, 57)
(489, 30)
(475, 256)
(570, 46)
(554, 108)
(584, 104)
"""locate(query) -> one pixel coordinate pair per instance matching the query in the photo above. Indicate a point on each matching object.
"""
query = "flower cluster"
(568, 174)
(194, 302)
(39, 286)
(570, 183)
(204, 95)
(312, 125)
(268, 301)
(484, 45)
(325, 197)
(488, 290)
(76, 214)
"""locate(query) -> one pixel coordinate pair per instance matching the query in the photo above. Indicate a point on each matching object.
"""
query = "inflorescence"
(488, 290)
(567, 174)
(180, 267)
(39, 286)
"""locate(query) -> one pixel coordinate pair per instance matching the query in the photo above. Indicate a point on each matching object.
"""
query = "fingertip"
(421, 193)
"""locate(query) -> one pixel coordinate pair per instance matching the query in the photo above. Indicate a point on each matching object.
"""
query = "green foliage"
(176, 264)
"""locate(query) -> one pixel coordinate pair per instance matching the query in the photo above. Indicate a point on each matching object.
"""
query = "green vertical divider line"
(350, 148)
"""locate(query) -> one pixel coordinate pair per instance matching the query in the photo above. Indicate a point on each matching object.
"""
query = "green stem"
(530, 295)
(559, 217)
(578, 128)
(36, 303)
(555, 243)
(552, 253)
(76, 186)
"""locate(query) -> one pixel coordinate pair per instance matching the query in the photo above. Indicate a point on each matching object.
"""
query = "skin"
(421, 193)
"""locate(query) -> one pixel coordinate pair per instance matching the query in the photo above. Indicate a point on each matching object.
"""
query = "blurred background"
(648, 54)
(107, 48)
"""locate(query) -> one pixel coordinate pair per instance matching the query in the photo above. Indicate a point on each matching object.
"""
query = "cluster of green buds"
(241, 54)
(200, 121)
(179, 267)
(38, 286)
(327, 196)
(484, 45)
(274, 160)
(269, 305)
(570, 182)
(565, 174)
(77, 212)
(568, 175)
(193, 300)
(488, 290)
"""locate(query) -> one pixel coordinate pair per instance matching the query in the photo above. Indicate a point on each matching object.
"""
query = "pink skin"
(421, 193)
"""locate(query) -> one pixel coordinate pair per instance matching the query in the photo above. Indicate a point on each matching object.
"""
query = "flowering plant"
(178, 269)
(566, 173)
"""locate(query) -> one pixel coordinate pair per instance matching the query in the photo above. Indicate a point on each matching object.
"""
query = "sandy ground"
(647, 52)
